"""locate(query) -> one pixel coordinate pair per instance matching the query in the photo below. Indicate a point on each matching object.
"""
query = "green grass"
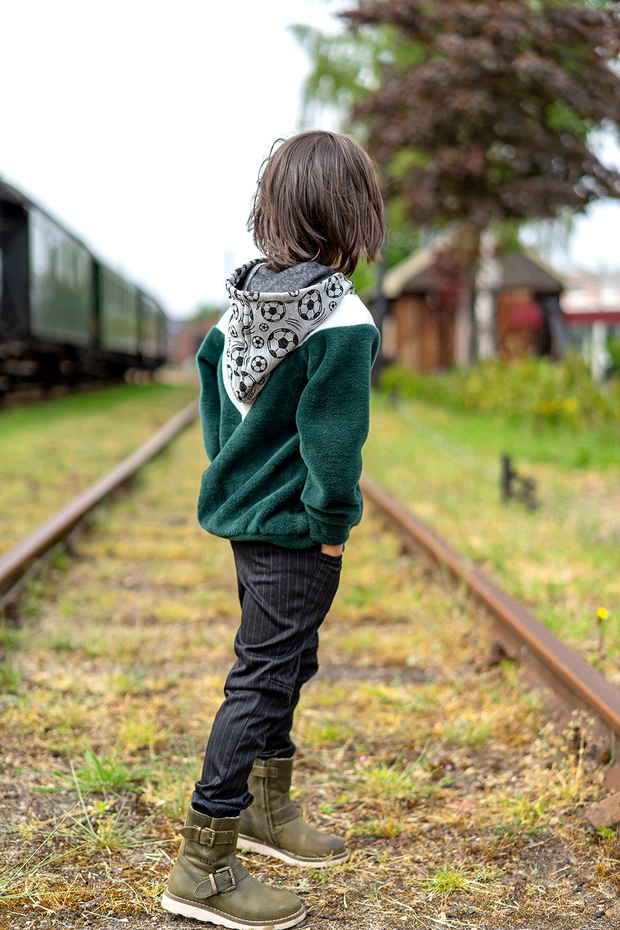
(562, 560)
(50, 451)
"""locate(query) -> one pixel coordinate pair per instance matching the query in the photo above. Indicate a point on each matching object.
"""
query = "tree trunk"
(468, 246)
(463, 328)
(488, 280)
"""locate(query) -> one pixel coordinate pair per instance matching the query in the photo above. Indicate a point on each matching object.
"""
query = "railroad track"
(514, 632)
(461, 809)
(19, 561)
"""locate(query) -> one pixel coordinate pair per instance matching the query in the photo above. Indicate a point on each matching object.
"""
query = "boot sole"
(266, 849)
(208, 914)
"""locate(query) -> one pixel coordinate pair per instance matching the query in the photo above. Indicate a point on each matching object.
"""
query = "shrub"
(534, 389)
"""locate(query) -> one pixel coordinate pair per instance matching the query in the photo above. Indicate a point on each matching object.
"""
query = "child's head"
(318, 200)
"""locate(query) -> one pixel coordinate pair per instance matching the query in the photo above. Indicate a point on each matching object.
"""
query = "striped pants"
(285, 595)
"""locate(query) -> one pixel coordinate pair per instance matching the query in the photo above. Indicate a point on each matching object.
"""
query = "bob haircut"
(317, 199)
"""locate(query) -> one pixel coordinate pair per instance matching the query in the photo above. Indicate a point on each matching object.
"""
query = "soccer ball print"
(334, 288)
(281, 342)
(237, 354)
(258, 364)
(273, 311)
(245, 383)
(311, 306)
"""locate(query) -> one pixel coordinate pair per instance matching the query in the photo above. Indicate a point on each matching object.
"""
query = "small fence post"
(506, 477)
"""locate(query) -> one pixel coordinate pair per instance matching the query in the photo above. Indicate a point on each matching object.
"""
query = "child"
(285, 388)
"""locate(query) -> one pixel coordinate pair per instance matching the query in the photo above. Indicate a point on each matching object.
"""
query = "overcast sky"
(141, 126)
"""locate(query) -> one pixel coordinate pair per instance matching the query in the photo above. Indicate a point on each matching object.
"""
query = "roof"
(416, 269)
(522, 268)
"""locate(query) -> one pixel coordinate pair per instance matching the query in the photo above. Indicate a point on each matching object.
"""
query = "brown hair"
(317, 199)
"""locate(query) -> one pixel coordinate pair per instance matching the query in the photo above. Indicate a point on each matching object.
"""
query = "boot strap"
(208, 837)
(284, 814)
(265, 771)
(222, 881)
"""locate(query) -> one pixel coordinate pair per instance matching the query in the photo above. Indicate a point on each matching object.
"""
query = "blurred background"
(143, 130)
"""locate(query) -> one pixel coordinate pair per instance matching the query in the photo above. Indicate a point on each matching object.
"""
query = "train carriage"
(65, 317)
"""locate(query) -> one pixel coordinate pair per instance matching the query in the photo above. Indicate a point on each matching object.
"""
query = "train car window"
(61, 298)
(14, 313)
(118, 321)
(149, 328)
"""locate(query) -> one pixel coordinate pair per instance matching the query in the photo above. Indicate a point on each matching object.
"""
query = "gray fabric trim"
(291, 279)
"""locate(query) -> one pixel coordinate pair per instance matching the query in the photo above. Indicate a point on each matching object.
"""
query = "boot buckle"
(207, 833)
(214, 882)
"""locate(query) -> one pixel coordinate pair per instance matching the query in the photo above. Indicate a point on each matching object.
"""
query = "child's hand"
(331, 550)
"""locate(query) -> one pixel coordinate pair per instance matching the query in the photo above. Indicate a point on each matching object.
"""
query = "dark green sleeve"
(332, 420)
(208, 360)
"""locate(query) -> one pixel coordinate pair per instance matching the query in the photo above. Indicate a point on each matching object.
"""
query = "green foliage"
(613, 347)
(106, 773)
(344, 68)
(529, 389)
(365, 278)
(9, 675)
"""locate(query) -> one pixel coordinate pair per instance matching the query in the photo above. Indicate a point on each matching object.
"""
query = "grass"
(50, 451)
(562, 560)
(407, 746)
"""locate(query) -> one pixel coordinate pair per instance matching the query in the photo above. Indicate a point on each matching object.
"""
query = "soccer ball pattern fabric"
(264, 328)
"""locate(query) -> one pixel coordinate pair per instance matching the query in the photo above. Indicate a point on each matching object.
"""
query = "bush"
(534, 389)
(613, 347)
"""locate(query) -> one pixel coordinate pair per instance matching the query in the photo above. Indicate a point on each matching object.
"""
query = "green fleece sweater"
(285, 468)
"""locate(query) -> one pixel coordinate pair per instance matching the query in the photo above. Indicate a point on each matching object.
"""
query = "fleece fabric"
(285, 467)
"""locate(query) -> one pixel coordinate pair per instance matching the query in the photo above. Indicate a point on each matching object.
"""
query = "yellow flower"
(602, 613)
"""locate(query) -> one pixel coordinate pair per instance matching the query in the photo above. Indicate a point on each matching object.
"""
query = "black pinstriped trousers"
(285, 595)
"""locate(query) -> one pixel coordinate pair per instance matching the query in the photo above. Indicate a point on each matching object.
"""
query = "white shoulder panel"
(224, 321)
(351, 311)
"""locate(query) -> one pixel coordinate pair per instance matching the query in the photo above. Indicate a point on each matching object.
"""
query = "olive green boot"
(272, 825)
(209, 883)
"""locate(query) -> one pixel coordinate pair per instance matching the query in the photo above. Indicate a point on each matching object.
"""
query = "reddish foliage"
(499, 106)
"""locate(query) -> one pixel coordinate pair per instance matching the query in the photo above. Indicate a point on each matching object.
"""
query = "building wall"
(425, 332)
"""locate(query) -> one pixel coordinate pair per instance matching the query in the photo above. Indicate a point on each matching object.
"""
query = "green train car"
(64, 315)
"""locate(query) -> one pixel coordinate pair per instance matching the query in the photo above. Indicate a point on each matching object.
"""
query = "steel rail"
(520, 627)
(15, 562)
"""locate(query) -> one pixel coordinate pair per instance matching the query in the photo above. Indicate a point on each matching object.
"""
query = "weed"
(393, 781)
(102, 825)
(524, 815)
(169, 787)
(102, 774)
(470, 733)
(448, 880)
(9, 675)
(16, 882)
(143, 732)
(607, 834)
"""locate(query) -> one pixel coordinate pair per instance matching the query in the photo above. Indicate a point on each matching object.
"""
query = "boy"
(284, 404)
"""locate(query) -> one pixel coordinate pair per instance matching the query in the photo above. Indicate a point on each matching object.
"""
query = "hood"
(265, 327)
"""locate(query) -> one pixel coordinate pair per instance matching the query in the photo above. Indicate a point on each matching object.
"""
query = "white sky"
(141, 126)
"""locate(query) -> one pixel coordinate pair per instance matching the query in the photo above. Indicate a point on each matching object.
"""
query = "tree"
(480, 112)
(491, 116)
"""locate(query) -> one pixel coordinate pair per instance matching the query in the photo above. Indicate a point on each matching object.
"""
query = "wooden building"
(425, 328)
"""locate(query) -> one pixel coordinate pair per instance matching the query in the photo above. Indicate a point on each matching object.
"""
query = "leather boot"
(273, 826)
(209, 883)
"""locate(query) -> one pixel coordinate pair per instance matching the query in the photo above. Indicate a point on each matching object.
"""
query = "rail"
(15, 563)
(518, 632)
